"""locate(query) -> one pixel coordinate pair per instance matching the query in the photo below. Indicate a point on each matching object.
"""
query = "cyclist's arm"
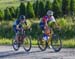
(45, 22)
(27, 27)
(25, 23)
(17, 27)
(54, 23)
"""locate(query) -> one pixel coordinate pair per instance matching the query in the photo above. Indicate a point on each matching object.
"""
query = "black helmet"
(22, 17)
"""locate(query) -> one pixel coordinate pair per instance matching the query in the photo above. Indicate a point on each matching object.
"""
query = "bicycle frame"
(21, 37)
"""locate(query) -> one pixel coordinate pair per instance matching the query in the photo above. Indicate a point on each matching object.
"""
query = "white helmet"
(49, 13)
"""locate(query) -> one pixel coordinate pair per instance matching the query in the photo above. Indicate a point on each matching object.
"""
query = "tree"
(30, 11)
(16, 12)
(22, 9)
(41, 10)
(47, 6)
(7, 14)
(72, 7)
(36, 8)
(12, 11)
(66, 7)
(1, 15)
(57, 8)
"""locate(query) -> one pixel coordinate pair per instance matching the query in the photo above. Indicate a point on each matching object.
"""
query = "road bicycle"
(52, 40)
(24, 40)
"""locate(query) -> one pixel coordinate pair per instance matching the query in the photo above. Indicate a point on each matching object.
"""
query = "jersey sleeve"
(17, 22)
(44, 19)
(53, 19)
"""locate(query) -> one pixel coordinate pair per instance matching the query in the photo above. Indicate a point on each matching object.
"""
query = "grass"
(5, 41)
(10, 3)
(69, 43)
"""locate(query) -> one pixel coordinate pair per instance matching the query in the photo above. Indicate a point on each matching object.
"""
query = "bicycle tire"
(15, 43)
(55, 37)
(44, 47)
(30, 44)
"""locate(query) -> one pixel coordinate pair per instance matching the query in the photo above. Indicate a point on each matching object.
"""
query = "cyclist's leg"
(16, 33)
(45, 36)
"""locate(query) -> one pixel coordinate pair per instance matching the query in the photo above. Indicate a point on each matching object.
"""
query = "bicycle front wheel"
(56, 43)
(42, 44)
(27, 43)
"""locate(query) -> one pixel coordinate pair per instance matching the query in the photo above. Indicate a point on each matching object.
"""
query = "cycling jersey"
(46, 19)
(17, 22)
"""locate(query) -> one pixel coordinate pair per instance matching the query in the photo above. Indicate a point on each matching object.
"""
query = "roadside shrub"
(67, 28)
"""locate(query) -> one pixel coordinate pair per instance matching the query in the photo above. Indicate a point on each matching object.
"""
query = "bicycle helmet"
(49, 13)
(22, 17)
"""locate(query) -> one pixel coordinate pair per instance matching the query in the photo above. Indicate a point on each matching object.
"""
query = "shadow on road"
(15, 53)
(12, 53)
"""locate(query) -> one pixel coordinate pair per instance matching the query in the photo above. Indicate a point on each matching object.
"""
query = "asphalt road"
(7, 52)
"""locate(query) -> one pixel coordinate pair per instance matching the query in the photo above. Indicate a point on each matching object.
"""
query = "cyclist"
(17, 25)
(46, 21)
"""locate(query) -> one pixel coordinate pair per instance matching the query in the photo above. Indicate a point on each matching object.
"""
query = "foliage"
(17, 12)
(12, 12)
(41, 9)
(7, 14)
(66, 7)
(36, 8)
(48, 6)
(1, 15)
(29, 11)
(22, 9)
(56, 7)
(72, 7)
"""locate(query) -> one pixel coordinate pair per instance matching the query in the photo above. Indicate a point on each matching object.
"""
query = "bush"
(62, 22)
(6, 30)
(36, 31)
(67, 28)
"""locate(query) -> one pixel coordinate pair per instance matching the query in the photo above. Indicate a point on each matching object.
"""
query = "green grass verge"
(65, 43)
(69, 43)
(5, 41)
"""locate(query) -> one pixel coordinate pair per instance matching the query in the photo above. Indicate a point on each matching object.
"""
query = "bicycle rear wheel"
(27, 43)
(42, 44)
(56, 43)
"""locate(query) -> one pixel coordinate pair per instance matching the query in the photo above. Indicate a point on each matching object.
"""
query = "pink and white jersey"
(46, 19)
